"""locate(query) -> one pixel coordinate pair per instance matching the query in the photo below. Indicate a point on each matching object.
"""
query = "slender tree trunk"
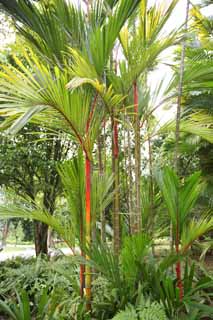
(180, 90)
(88, 230)
(151, 185)
(101, 173)
(5, 233)
(82, 266)
(137, 221)
(116, 202)
(176, 157)
(88, 173)
(178, 266)
(131, 213)
(125, 175)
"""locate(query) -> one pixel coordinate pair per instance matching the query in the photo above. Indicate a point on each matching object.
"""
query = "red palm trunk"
(88, 279)
(88, 229)
(178, 268)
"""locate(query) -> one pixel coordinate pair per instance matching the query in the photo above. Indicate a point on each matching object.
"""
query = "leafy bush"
(39, 275)
(32, 275)
(123, 279)
(46, 308)
(146, 310)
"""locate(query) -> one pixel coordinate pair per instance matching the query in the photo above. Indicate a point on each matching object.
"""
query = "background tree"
(28, 166)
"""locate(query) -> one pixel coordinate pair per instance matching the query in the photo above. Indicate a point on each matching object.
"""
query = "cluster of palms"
(80, 72)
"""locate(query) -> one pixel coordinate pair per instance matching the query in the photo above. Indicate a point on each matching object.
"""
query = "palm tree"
(180, 86)
(89, 68)
(142, 43)
(44, 95)
(180, 197)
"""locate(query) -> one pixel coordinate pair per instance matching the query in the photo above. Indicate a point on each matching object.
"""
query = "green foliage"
(73, 179)
(50, 287)
(48, 27)
(180, 199)
(31, 275)
(47, 307)
(145, 310)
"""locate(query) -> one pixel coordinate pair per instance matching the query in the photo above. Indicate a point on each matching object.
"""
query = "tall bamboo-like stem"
(101, 172)
(116, 202)
(115, 170)
(137, 221)
(125, 173)
(176, 157)
(88, 168)
(82, 266)
(130, 181)
(88, 229)
(151, 184)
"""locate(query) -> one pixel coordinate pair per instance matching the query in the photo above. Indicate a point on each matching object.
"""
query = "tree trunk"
(131, 213)
(88, 230)
(82, 266)
(41, 233)
(137, 214)
(5, 233)
(151, 186)
(101, 172)
(176, 157)
(50, 243)
(116, 202)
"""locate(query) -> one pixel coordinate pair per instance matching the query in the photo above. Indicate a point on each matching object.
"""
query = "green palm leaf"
(198, 124)
(194, 230)
(180, 197)
(38, 88)
(26, 210)
(49, 29)
(169, 186)
(102, 39)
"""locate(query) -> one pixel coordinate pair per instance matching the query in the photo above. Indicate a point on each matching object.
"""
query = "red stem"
(178, 271)
(88, 229)
(88, 190)
(88, 209)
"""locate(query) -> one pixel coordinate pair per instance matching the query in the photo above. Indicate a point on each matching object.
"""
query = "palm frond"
(180, 197)
(194, 230)
(169, 186)
(49, 29)
(29, 90)
(83, 73)
(133, 254)
(20, 208)
(73, 179)
(102, 39)
(189, 194)
(198, 124)
(102, 193)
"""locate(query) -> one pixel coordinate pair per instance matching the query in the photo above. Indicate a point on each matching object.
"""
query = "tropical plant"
(47, 308)
(180, 198)
(146, 310)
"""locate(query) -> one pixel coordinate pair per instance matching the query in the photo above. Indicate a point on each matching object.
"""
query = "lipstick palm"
(37, 31)
(27, 91)
(142, 44)
(90, 67)
(180, 198)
